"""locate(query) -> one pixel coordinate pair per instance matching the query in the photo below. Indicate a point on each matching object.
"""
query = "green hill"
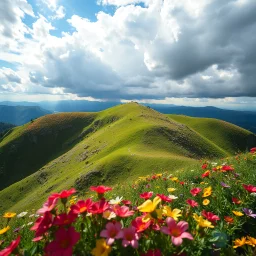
(80, 149)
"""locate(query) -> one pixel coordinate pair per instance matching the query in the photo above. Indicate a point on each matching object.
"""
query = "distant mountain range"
(245, 119)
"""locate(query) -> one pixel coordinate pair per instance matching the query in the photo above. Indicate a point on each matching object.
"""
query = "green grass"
(120, 143)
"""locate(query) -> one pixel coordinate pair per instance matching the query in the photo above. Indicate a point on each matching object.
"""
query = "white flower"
(116, 201)
(31, 215)
(192, 170)
(108, 215)
(214, 164)
(253, 194)
(172, 197)
(30, 223)
(22, 214)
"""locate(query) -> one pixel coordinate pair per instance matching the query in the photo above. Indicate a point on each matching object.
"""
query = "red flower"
(204, 166)
(250, 188)
(99, 207)
(49, 205)
(140, 225)
(236, 200)
(82, 206)
(155, 252)
(63, 243)
(146, 195)
(67, 193)
(127, 202)
(226, 168)
(164, 197)
(8, 250)
(123, 211)
(192, 203)
(182, 183)
(253, 150)
(100, 189)
(228, 219)
(195, 191)
(42, 224)
(64, 219)
(210, 216)
(206, 174)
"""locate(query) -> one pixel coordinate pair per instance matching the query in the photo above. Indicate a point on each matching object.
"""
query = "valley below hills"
(79, 149)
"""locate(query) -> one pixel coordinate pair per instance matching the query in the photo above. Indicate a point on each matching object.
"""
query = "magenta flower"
(224, 185)
(123, 211)
(249, 212)
(192, 203)
(195, 191)
(112, 232)
(130, 237)
(176, 231)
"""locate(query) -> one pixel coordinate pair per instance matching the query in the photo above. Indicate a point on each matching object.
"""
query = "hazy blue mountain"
(19, 115)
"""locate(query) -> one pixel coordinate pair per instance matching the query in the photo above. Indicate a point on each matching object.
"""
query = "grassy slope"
(120, 143)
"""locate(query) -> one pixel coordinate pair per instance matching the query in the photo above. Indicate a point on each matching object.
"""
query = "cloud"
(158, 50)
(57, 10)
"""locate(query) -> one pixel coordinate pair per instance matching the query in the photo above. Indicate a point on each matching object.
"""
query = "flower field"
(210, 210)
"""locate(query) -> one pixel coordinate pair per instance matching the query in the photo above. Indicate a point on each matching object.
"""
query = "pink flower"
(66, 193)
(99, 207)
(127, 202)
(64, 219)
(192, 203)
(130, 237)
(164, 198)
(82, 206)
(210, 216)
(123, 211)
(250, 188)
(49, 205)
(156, 252)
(112, 232)
(195, 191)
(176, 231)
(63, 243)
(140, 225)
(8, 250)
(253, 150)
(42, 224)
(146, 195)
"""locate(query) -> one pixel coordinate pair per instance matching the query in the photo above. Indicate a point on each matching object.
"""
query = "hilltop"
(59, 151)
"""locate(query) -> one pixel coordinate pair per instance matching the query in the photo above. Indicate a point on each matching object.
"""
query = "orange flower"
(228, 219)
(9, 215)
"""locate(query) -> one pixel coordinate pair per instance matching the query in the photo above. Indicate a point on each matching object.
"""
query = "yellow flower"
(175, 213)
(171, 189)
(149, 206)
(157, 214)
(9, 215)
(202, 222)
(202, 182)
(239, 242)
(101, 249)
(174, 179)
(159, 175)
(251, 241)
(238, 213)
(207, 192)
(2, 231)
(206, 201)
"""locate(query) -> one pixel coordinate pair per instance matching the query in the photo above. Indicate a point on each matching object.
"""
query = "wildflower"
(4, 230)
(171, 189)
(250, 188)
(116, 201)
(253, 194)
(206, 174)
(174, 179)
(149, 206)
(99, 207)
(172, 197)
(112, 232)
(8, 250)
(101, 249)
(202, 222)
(210, 216)
(204, 166)
(126, 202)
(238, 213)
(226, 168)
(130, 237)
(253, 150)
(64, 219)
(30, 223)
(164, 198)
(9, 215)
(140, 225)
(207, 191)
(49, 205)
(192, 203)
(195, 191)
(228, 219)
(224, 185)
(146, 195)
(236, 200)
(251, 241)
(63, 243)
(65, 193)
(100, 189)
(42, 224)
(176, 231)
(123, 211)
(155, 252)
(239, 242)
(82, 206)
(249, 212)
(22, 214)
(108, 214)
(175, 213)
(206, 202)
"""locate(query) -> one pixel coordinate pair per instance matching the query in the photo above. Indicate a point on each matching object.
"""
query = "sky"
(182, 52)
